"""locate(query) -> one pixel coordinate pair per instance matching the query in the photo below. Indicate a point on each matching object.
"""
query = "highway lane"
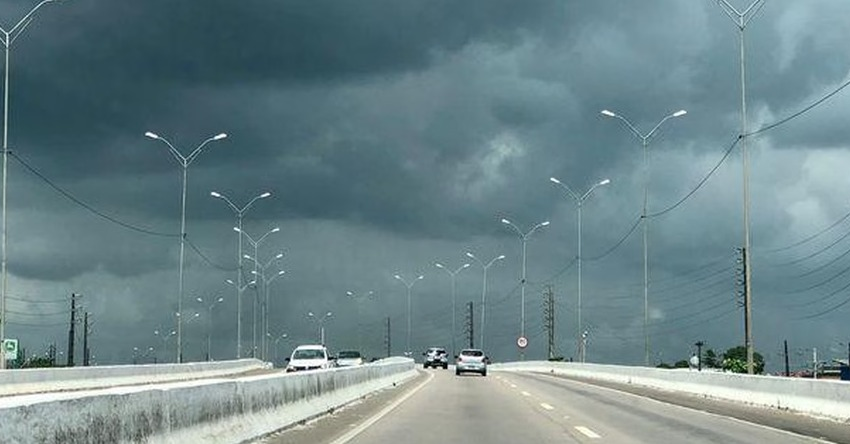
(521, 408)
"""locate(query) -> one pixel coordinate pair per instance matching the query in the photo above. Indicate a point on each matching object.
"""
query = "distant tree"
(38, 362)
(663, 365)
(709, 359)
(681, 364)
(735, 360)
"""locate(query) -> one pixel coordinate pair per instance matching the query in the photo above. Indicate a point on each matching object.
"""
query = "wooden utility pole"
(71, 330)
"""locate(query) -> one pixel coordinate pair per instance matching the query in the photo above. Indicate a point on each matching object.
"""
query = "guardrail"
(825, 398)
(38, 380)
(205, 410)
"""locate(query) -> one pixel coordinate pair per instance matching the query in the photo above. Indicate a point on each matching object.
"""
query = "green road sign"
(10, 348)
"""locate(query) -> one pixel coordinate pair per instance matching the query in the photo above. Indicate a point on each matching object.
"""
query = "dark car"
(436, 357)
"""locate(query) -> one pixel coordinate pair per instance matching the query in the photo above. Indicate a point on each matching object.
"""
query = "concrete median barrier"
(821, 398)
(39, 380)
(206, 410)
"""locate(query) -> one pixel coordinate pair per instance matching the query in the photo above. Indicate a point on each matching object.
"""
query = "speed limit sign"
(521, 342)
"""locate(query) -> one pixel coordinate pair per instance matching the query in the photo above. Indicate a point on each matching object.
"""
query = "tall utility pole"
(787, 367)
(699, 345)
(549, 318)
(86, 354)
(470, 327)
(388, 339)
(7, 38)
(71, 331)
(741, 19)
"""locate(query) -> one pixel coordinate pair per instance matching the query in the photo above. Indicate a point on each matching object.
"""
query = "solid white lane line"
(587, 432)
(525, 393)
(546, 406)
(368, 423)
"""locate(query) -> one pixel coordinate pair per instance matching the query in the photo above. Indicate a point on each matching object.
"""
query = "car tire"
(445, 366)
(484, 373)
(457, 373)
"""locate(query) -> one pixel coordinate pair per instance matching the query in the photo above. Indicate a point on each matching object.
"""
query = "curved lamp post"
(321, 322)
(240, 213)
(184, 162)
(453, 275)
(644, 138)
(409, 286)
(524, 239)
(581, 334)
(256, 245)
(484, 287)
(209, 323)
(7, 39)
(357, 298)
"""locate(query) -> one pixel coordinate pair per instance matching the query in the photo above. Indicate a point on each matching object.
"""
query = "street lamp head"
(554, 180)
(349, 293)
(275, 230)
(397, 277)
(464, 266)
(420, 277)
(543, 224)
(679, 113)
(505, 221)
(229, 281)
(236, 229)
(264, 195)
(328, 314)
(310, 314)
(215, 194)
(605, 182)
(439, 265)
(220, 300)
(502, 256)
(605, 112)
(199, 299)
(278, 256)
(220, 136)
(151, 135)
(281, 272)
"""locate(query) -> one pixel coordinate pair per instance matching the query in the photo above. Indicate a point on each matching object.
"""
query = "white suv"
(309, 357)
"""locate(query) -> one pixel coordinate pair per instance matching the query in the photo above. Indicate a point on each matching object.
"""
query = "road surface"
(534, 408)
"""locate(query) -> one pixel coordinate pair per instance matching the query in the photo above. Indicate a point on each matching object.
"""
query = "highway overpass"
(394, 401)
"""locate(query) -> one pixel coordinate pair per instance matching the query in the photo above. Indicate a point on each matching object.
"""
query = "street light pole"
(256, 245)
(240, 212)
(356, 300)
(321, 322)
(409, 286)
(524, 238)
(264, 314)
(184, 162)
(7, 38)
(644, 219)
(579, 200)
(741, 20)
(209, 324)
(484, 288)
(453, 275)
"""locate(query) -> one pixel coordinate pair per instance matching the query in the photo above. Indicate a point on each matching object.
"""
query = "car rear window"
(349, 354)
(472, 353)
(308, 354)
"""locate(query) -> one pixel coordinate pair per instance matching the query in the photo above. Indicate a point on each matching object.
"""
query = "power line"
(88, 207)
(617, 245)
(701, 182)
(799, 113)
(803, 241)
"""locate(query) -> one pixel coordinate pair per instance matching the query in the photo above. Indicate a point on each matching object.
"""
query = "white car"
(471, 360)
(349, 358)
(308, 357)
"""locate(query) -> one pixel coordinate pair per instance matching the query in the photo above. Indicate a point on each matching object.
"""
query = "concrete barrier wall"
(825, 398)
(209, 410)
(37, 380)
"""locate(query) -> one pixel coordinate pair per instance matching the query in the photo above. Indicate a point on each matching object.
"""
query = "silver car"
(471, 360)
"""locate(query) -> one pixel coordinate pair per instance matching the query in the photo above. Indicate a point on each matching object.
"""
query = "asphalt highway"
(504, 407)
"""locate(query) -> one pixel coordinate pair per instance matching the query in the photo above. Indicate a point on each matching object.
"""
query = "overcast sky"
(396, 134)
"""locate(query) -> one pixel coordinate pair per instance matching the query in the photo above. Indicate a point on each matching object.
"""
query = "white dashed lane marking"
(525, 393)
(587, 432)
(546, 406)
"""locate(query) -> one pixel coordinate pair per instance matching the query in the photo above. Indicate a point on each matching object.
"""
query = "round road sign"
(521, 342)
